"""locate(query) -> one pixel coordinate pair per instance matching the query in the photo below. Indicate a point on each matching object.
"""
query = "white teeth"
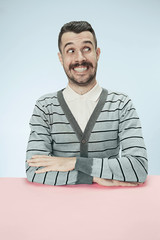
(80, 69)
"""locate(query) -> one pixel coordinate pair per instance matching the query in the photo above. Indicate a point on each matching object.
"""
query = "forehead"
(76, 38)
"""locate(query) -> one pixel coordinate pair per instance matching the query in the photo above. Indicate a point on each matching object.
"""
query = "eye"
(86, 49)
(70, 51)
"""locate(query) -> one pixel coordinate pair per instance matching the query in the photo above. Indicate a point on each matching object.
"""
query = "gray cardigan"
(110, 147)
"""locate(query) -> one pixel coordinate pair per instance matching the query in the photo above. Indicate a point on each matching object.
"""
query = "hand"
(52, 163)
(110, 183)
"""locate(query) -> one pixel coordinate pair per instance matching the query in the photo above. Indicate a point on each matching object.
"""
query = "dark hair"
(76, 27)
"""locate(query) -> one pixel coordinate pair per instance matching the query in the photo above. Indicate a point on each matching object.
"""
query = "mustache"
(83, 64)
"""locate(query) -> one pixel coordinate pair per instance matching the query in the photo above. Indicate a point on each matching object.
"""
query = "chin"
(83, 82)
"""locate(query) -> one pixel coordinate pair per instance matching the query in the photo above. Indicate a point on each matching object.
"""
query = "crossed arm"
(128, 170)
(67, 164)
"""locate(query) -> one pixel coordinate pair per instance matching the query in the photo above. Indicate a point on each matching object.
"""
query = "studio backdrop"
(129, 38)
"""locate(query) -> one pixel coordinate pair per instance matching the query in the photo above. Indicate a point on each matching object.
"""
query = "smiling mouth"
(80, 69)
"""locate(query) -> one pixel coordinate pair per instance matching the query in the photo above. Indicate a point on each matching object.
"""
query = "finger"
(40, 160)
(133, 183)
(43, 170)
(110, 182)
(120, 184)
(38, 164)
(129, 184)
(105, 182)
(35, 160)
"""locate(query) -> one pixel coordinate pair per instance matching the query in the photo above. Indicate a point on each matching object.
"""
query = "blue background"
(128, 34)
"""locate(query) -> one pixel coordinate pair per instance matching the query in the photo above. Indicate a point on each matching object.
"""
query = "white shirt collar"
(92, 95)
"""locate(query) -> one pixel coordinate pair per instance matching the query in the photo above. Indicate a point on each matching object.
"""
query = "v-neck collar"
(70, 95)
(82, 136)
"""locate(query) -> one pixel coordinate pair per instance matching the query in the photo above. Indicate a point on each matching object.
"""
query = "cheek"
(66, 62)
(93, 60)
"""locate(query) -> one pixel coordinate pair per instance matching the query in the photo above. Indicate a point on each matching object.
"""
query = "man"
(77, 133)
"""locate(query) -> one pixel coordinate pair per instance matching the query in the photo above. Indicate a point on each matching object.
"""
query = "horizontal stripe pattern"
(117, 128)
(108, 165)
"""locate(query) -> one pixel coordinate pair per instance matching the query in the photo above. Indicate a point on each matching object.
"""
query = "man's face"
(79, 57)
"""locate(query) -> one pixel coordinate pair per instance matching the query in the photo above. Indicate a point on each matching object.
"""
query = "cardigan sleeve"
(40, 143)
(132, 165)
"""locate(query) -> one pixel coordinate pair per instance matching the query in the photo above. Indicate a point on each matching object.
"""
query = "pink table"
(31, 211)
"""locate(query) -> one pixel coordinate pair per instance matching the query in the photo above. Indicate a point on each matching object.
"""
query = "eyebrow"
(88, 42)
(69, 43)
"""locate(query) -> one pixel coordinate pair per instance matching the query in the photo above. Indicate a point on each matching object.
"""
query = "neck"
(82, 89)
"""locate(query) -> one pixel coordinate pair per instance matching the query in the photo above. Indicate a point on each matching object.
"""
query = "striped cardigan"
(111, 146)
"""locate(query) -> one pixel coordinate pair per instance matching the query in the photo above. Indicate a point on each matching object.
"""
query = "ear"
(60, 58)
(98, 52)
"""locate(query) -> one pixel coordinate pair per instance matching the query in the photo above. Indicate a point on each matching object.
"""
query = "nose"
(79, 57)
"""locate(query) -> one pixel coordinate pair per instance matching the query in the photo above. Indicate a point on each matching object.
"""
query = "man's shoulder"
(118, 99)
(48, 98)
(115, 95)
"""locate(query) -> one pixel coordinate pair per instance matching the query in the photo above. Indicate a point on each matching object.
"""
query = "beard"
(88, 80)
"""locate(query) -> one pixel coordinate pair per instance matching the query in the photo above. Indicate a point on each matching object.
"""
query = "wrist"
(94, 179)
(73, 161)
